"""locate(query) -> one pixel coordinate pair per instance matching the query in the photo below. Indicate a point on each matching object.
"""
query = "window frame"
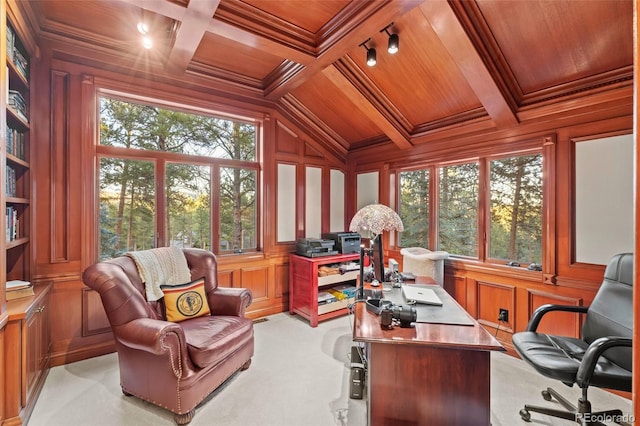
(545, 146)
(161, 158)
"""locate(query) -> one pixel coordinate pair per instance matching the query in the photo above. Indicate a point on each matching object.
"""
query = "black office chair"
(601, 358)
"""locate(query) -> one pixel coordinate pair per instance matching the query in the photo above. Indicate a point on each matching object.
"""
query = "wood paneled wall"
(64, 169)
(64, 204)
(483, 288)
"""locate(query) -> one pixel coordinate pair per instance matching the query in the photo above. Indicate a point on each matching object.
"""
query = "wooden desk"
(430, 374)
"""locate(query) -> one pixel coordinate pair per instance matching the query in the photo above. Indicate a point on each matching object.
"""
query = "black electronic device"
(315, 247)
(356, 388)
(378, 259)
(404, 314)
(346, 242)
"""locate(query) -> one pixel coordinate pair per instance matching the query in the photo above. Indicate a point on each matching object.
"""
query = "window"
(175, 178)
(127, 206)
(188, 200)
(513, 210)
(414, 208)
(458, 209)
(515, 230)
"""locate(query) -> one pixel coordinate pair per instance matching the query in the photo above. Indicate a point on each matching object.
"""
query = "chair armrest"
(147, 334)
(544, 309)
(593, 353)
(229, 301)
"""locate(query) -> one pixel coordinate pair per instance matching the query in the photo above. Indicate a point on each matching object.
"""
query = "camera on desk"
(404, 314)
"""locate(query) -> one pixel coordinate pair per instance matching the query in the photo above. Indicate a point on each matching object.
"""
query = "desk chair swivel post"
(602, 357)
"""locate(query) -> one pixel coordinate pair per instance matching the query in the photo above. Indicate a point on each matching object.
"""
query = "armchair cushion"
(185, 301)
(210, 339)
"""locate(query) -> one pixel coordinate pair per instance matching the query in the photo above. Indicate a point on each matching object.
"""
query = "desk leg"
(422, 385)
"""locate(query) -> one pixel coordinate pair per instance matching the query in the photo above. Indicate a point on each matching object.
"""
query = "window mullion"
(483, 208)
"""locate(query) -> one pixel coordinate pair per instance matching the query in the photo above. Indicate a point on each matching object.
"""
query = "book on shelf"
(12, 285)
(12, 223)
(15, 55)
(11, 36)
(15, 143)
(17, 104)
(17, 294)
(10, 184)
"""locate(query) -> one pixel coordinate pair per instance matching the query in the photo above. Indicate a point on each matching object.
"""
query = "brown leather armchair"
(173, 365)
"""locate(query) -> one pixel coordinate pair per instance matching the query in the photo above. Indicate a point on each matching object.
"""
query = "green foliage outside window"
(514, 224)
(414, 208)
(202, 148)
(516, 209)
(127, 206)
(458, 209)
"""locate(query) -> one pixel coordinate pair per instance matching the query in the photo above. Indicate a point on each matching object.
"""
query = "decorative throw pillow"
(185, 301)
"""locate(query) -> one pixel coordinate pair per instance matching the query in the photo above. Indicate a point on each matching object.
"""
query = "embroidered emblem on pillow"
(185, 301)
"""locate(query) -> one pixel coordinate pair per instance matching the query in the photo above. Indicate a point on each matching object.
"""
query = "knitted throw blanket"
(158, 266)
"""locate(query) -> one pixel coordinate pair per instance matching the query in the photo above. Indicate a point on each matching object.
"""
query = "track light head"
(371, 53)
(371, 57)
(394, 40)
(394, 44)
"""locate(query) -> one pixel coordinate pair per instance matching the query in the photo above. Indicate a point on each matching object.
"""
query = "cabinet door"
(38, 342)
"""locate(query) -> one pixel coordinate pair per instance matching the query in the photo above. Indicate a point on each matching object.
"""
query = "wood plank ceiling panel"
(327, 102)
(421, 79)
(227, 54)
(550, 43)
(308, 15)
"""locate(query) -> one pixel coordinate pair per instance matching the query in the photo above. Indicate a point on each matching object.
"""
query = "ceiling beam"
(354, 95)
(194, 24)
(239, 35)
(386, 12)
(454, 38)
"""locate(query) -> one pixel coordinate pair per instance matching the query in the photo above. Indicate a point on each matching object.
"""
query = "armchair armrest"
(593, 352)
(229, 301)
(544, 309)
(147, 334)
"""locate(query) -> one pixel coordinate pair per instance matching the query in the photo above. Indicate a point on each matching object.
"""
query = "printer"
(346, 242)
(315, 247)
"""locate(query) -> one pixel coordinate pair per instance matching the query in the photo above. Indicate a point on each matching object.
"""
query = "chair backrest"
(611, 312)
(123, 293)
(424, 262)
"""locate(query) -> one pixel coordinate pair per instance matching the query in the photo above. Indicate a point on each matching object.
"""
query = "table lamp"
(374, 218)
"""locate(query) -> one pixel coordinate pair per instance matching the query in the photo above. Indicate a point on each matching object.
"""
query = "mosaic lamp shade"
(376, 218)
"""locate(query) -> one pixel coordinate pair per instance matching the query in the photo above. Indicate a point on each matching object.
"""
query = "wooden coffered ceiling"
(483, 63)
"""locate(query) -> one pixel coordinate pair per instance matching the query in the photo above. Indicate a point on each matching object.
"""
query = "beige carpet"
(299, 377)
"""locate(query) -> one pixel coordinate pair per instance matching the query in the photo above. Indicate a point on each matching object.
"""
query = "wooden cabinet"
(27, 353)
(305, 283)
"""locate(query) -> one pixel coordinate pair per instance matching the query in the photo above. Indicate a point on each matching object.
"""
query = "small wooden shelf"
(17, 242)
(304, 284)
(17, 161)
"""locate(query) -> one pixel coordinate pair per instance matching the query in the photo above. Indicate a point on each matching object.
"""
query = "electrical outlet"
(503, 315)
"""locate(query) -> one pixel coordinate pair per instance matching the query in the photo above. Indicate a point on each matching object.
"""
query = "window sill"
(227, 258)
(472, 265)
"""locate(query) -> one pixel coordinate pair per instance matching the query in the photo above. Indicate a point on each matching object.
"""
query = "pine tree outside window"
(175, 178)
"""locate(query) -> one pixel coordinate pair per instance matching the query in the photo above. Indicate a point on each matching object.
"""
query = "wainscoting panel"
(491, 298)
(94, 318)
(564, 323)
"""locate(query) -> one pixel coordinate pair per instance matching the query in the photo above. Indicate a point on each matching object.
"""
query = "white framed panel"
(367, 187)
(604, 198)
(313, 202)
(336, 208)
(286, 202)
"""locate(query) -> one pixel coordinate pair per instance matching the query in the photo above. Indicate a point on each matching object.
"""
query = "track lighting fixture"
(371, 53)
(394, 40)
